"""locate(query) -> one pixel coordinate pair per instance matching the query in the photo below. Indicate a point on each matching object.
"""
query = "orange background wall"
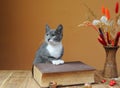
(23, 23)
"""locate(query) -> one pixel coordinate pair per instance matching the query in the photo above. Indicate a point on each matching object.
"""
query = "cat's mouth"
(53, 41)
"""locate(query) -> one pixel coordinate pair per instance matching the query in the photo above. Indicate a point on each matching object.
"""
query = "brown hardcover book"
(69, 73)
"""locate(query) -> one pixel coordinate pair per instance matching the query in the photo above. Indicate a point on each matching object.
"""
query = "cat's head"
(54, 36)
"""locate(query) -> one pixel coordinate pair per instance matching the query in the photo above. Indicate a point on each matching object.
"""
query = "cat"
(51, 51)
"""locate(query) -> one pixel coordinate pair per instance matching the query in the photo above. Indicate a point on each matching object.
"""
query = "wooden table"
(23, 79)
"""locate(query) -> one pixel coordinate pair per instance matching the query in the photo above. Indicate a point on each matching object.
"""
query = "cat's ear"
(59, 28)
(47, 28)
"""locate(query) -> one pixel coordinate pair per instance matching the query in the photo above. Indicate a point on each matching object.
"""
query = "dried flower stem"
(92, 13)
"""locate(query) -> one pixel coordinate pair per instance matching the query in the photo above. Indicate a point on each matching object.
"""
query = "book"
(69, 73)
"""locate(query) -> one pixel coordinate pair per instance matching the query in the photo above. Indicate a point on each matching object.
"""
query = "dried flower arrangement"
(108, 28)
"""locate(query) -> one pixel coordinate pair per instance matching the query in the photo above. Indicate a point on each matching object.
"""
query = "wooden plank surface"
(23, 79)
(17, 79)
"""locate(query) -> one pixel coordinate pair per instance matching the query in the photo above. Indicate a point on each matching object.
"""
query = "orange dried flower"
(103, 9)
(107, 13)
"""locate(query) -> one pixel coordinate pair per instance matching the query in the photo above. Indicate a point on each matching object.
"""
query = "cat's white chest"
(55, 51)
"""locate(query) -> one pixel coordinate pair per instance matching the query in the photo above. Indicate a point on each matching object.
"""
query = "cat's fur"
(51, 50)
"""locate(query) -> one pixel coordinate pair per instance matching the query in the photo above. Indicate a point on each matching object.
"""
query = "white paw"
(57, 62)
(61, 61)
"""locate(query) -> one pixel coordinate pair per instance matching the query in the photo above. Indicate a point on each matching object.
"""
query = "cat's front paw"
(61, 61)
(57, 62)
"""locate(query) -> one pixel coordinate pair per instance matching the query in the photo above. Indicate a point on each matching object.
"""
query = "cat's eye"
(53, 34)
(57, 32)
(47, 34)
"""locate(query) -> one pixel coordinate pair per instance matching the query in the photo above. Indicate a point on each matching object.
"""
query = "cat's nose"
(49, 39)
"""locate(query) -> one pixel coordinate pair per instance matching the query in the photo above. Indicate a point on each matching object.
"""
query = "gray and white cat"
(52, 49)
